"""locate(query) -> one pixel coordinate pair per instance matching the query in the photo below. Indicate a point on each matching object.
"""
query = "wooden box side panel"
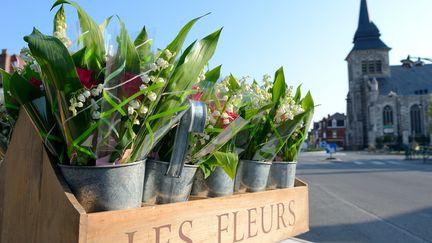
(35, 206)
(268, 216)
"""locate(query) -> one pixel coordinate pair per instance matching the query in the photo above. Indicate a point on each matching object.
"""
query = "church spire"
(367, 35)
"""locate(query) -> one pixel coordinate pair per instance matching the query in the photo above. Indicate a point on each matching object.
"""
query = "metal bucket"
(199, 187)
(254, 175)
(219, 184)
(237, 179)
(105, 188)
(282, 175)
(155, 171)
(167, 189)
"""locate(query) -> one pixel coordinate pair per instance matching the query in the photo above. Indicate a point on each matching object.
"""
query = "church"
(386, 105)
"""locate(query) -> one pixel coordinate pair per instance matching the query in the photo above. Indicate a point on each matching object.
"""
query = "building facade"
(330, 129)
(385, 104)
(8, 61)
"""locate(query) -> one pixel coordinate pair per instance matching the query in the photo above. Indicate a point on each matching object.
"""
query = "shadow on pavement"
(401, 228)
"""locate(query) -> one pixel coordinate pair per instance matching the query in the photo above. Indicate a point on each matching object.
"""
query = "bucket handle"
(192, 121)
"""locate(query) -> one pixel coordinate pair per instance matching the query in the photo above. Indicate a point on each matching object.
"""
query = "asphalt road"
(365, 197)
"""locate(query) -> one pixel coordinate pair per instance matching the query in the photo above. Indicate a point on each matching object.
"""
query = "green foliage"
(143, 47)
(92, 37)
(292, 147)
(11, 104)
(189, 66)
(61, 82)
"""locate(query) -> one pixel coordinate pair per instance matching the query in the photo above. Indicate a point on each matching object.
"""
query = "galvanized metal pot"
(166, 189)
(253, 175)
(199, 187)
(105, 188)
(155, 171)
(219, 184)
(282, 174)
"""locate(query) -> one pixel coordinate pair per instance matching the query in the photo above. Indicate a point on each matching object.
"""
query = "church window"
(371, 67)
(387, 116)
(378, 66)
(364, 67)
(416, 124)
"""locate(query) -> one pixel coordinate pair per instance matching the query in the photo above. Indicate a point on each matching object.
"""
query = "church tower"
(368, 62)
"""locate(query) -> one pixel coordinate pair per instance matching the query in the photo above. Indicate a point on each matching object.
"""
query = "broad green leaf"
(207, 86)
(233, 83)
(61, 81)
(104, 24)
(143, 47)
(228, 161)
(22, 91)
(93, 37)
(177, 43)
(127, 50)
(35, 104)
(183, 78)
(279, 87)
(213, 75)
(297, 95)
(78, 57)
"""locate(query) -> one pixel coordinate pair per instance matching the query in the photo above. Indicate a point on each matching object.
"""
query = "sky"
(309, 38)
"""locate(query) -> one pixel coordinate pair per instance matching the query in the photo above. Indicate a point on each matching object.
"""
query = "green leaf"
(78, 57)
(279, 87)
(61, 81)
(228, 161)
(143, 47)
(93, 37)
(33, 101)
(104, 24)
(127, 50)
(271, 148)
(11, 103)
(177, 43)
(233, 83)
(207, 86)
(22, 91)
(297, 95)
(213, 75)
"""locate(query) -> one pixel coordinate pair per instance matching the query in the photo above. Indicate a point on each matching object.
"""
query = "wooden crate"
(36, 205)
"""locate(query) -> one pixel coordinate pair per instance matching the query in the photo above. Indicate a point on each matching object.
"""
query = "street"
(363, 197)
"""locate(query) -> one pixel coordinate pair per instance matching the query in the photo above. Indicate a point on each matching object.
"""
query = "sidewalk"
(295, 240)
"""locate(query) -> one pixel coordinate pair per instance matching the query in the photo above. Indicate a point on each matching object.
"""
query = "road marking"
(358, 162)
(377, 163)
(370, 213)
(394, 162)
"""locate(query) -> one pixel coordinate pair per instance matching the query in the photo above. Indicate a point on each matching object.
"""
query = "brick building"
(8, 61)
(330, 129)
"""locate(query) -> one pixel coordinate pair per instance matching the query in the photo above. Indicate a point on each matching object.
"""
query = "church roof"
(367, 35)
(407, 81)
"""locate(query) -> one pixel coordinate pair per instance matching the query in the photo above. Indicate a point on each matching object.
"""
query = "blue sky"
(310, 38)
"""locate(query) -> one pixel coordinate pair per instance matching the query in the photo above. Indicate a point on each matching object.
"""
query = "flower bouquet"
(101, 109)
(283, 168)
(267, 135)
(212, 151)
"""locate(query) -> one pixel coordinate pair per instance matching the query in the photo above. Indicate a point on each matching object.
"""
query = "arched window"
(416, 121)
(387, 116)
